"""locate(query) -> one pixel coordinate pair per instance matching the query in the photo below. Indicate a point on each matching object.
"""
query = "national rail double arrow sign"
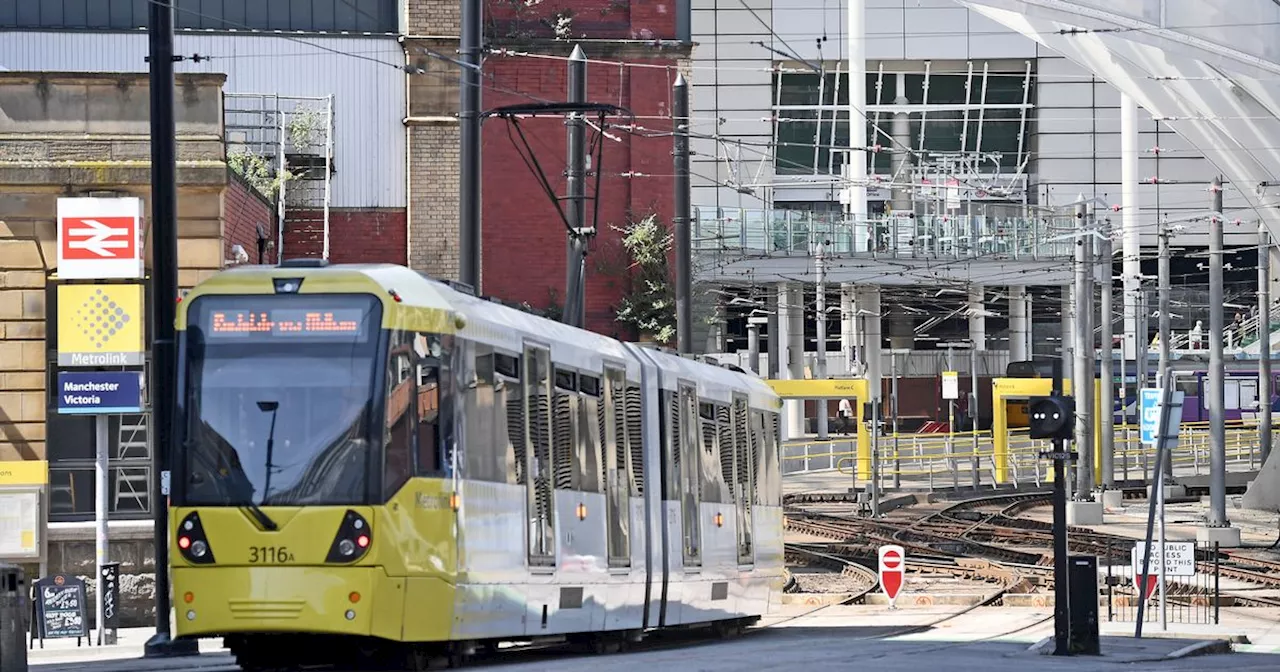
(99, 238)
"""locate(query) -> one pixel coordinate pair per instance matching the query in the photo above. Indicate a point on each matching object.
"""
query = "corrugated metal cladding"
(365, 79)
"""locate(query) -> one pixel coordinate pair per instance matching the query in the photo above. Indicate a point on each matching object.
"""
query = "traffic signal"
(1052, 417)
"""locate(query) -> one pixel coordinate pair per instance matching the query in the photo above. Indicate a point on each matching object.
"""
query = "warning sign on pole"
(893, 562)
(950, 385)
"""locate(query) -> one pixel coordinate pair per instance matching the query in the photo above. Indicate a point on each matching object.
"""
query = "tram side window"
(590, 435)
(400, 401)
(509, 406)
(488, 448)
(435, 403)
(710, 454)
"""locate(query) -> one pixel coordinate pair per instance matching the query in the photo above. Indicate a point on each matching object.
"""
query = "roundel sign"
(893, 561)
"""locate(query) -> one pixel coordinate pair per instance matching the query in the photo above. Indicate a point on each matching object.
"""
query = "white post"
(857, 34)
(1018, 324)
(1132, 241)
(820, 348)
(977, 317)
(328, 154)
(848, 328)
(101, 500)
(281, 166)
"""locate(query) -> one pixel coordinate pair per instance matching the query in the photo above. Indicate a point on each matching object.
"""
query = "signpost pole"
(1161, 442)
(100, 423)
(1061, 609)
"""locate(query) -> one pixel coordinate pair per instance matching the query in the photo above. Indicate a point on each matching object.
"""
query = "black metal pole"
(164, 297)
(1061, 608)
(575, 186)
(683, 215)
(469, 127)
(1161, 443)
(1217, 594)
(1110, 582)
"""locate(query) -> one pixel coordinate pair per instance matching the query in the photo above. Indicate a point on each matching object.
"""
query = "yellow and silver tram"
(371, 463)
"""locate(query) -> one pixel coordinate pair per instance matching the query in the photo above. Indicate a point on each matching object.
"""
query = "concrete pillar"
(903, 200)
(848, 328)
(868, 304)
(1131, 249)
(977, 317)
(774, 365)
(856, 34)
(1067, 345)
(791, 361)
(1019, 326)
(902, 332)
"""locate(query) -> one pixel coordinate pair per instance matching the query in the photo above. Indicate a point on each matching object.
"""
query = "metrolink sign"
(100, 325)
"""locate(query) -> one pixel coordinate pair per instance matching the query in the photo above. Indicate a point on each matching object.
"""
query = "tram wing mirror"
(268, 406)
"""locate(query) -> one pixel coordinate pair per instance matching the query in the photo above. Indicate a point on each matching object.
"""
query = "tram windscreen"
(278, 399)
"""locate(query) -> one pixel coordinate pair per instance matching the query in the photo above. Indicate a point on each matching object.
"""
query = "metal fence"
(1187, 599)
(944, 460)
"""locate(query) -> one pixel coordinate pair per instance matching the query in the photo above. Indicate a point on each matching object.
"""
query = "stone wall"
(433, 198)
(88, 134)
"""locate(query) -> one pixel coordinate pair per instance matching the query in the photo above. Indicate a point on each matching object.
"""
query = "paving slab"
(955, 639)
(1129, 650)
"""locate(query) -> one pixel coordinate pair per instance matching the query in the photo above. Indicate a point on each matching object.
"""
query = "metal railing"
(951, 460)
(749, 232)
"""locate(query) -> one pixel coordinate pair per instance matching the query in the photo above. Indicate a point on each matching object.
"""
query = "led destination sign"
(342, 323)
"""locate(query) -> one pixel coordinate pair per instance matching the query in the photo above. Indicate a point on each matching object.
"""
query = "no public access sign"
(99, 238)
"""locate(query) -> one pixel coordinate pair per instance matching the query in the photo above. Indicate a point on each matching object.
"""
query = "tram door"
(744, 486)
(537, 395)
(689, 467)
(618, 479)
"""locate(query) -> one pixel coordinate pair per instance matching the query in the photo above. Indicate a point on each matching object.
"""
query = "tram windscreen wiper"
(263, 519)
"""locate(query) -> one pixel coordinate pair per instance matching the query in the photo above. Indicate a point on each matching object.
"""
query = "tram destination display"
(59, 608)
(285, 318)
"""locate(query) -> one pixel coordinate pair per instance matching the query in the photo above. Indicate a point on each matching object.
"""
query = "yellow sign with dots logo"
(100, 325)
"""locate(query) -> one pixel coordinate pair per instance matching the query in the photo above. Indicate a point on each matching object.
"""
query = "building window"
(980, 108)
(371, 16)
(72, 481)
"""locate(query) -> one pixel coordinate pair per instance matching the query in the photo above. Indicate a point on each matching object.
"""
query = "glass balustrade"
(755, 232)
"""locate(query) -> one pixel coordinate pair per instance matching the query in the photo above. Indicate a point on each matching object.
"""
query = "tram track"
(993, 528)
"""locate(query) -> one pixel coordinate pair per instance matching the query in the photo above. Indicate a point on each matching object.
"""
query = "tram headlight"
(192, 542)
(353, 540)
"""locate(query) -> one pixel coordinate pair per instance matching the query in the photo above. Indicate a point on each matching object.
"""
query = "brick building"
(49, 148)
(523, 240)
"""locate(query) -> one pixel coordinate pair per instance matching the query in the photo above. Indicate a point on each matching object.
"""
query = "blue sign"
(1150, 420)
(99, 392)
(1150, 414)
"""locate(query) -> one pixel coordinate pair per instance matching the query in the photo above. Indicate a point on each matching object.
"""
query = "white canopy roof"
(1209, 69)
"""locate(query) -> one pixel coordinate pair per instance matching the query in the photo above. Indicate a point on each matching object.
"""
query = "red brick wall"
(523, 242)
(243, 209)
(594, 19)
(357, 236)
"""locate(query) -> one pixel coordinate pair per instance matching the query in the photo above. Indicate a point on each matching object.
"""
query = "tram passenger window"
(486, 442)
(400, 400)
(435, 403)
(590, 434)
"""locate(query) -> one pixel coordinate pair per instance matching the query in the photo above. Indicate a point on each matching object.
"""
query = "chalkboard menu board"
(110, 594)
(60, 608)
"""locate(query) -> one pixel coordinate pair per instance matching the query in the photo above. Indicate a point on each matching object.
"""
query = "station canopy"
(1209, 69)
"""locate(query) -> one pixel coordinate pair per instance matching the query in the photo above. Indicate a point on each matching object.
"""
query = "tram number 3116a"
(262, 555)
